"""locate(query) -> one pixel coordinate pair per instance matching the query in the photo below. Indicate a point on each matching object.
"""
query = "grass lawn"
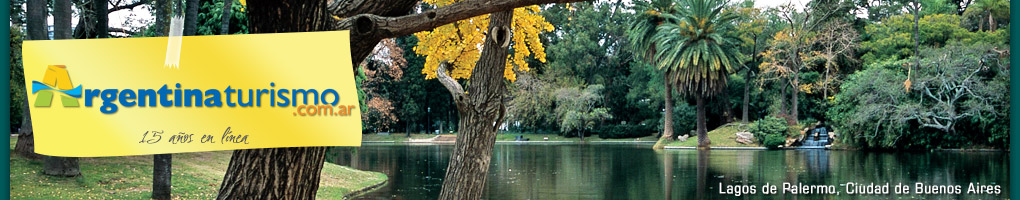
(724, 136)
(195, 176)
(503, 136)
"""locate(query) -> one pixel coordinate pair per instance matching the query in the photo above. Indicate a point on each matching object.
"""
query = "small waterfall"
(817, 137)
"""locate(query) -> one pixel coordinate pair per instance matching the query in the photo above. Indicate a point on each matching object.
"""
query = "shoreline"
(667, 147)
(366, 190)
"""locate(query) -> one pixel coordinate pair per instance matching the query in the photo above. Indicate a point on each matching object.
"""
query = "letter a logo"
(57, 80)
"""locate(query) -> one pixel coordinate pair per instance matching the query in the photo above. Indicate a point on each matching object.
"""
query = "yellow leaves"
(460, 43)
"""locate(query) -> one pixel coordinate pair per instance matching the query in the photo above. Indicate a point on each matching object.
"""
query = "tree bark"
(161, 176)
(61, 166)
(161, 14)
(62, 19)
(53, 165)
(481, 111)
(783, 112)
(703, 141)
(667, 118)
(102, 18)
(35, 17)
(278, 173)
(225, 17)
(794, 95)
(191, 17)
(35, 11)
(747, 96)
(26, 141)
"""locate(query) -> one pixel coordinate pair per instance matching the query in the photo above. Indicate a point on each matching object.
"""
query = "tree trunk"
(161, 176)
(783, 112)
(278, 173)
(35, 11)
(703, 141)
(991, 22)
(26, 142)
(62, 19)
(35, 17)
(161, 15)
(102, 18)
(225, 17)
(793, 98)
(52, 165)
(191, 17)
(61, 166)
(747, 96)
(481, 111)
(667, 117)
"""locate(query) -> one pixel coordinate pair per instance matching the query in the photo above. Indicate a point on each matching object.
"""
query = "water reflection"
(572, 171)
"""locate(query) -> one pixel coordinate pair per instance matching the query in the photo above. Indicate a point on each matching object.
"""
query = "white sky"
(774, 3)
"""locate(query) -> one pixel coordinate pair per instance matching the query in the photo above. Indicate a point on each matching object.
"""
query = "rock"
(745, 137)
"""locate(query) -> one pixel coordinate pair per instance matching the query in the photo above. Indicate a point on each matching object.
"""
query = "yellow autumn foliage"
(460, 43)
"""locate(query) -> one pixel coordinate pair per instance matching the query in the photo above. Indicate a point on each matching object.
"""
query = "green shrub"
(773, 141)
(770, 131)
(624, 131)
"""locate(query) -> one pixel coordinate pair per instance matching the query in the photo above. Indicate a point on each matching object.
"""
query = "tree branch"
(368, 29)
(128, 6)
(451, 84)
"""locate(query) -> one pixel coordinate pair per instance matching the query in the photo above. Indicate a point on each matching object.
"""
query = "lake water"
(635, 171)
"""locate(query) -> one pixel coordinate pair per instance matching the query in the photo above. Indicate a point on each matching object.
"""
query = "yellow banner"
(115, 97)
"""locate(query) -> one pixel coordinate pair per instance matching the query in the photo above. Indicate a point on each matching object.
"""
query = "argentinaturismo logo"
(56, 80)
(308, 102)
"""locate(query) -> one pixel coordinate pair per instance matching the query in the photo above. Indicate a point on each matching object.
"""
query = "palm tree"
(693, 45)
(641, 35)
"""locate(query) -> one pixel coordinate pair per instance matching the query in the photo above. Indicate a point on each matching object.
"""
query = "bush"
(770, 131)
(773, 141)
(624, 131)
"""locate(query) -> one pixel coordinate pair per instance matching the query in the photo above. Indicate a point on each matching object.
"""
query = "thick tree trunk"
(160, 12)
(161, 176)
(62, 19)
(225, 17)
(747, 96)
(35, 17)
(162, 164)
(278, 173)
(35, 11)
(667, 117)
(191, 17)
(61, 166)
(26, 142)
(52, 165)
(481, 111)
(703, 141)
(102, 18)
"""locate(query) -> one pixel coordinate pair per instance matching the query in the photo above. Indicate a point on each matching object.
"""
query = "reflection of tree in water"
(817, 162)
(702, 172)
